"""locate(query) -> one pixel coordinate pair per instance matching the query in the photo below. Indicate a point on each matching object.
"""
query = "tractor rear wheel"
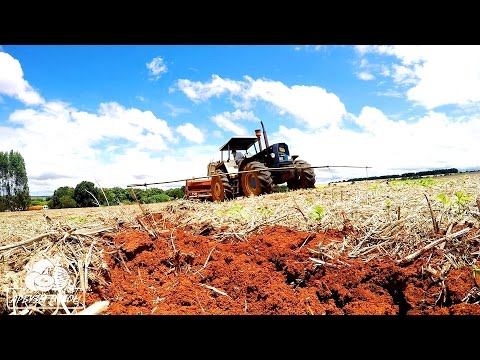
(221, 188)
(258, 181)
(304, 179)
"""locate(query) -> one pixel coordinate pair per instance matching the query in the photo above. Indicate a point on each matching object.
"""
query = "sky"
(117, 115)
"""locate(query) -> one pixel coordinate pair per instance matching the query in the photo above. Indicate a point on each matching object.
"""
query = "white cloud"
(243, 115)
(157, 67)
(199, 92)
(390, 93)
(191, 132)
(63, 146)
(364, 75)
(310, 47)
(311, 105)
(363, 62)
(384, 70)
(227, 121)
(368, 69)
(389, 147)
(362, 49)
(132, 124)
(175, 111)
(435, 74)
(403, 75)
(217, 134)
(13, 84)
(137, 167)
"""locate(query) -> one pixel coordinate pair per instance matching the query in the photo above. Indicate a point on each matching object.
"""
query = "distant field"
(24, 224)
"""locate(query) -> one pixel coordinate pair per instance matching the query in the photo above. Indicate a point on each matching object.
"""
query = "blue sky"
(117, 115)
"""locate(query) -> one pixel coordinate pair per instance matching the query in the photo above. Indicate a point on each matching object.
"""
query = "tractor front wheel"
(258, 180)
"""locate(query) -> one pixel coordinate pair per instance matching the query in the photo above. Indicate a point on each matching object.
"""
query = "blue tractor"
(248, 169)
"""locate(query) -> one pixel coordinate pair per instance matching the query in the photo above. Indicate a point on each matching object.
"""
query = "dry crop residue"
(270, 273)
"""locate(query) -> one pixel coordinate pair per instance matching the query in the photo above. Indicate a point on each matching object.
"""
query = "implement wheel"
(221, 188)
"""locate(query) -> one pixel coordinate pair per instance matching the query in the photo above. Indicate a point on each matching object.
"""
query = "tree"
(86, 194)
(117, 196)
(19, 181)
(62, 198)
(67, 201)
(4, 174)
(176, 193)
(5, 193)
(156, 198)
(14, 192)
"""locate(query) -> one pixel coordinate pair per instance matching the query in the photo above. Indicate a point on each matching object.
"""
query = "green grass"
(426, 182)
(265, 211)
(236, 210)
(317, 213)
(38, 201)
(77, 219)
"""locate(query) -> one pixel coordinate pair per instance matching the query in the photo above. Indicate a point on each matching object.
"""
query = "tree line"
(86, 194)
(14, 193)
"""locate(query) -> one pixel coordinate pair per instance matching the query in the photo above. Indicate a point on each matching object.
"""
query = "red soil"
(271, 273)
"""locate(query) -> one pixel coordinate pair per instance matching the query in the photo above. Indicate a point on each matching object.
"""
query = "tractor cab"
(236, 150)
(236, 145)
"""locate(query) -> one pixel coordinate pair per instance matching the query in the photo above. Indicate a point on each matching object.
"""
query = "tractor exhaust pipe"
(258, 133)
(265, 136)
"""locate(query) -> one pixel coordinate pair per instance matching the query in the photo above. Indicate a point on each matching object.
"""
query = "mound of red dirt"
(270, 273)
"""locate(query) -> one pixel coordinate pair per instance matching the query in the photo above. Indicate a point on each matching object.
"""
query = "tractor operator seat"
(237, 156)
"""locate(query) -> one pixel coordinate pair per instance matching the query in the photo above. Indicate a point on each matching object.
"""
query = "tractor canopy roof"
(239, 143)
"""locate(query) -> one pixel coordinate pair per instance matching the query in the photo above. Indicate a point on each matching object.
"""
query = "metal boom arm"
(246, 171)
